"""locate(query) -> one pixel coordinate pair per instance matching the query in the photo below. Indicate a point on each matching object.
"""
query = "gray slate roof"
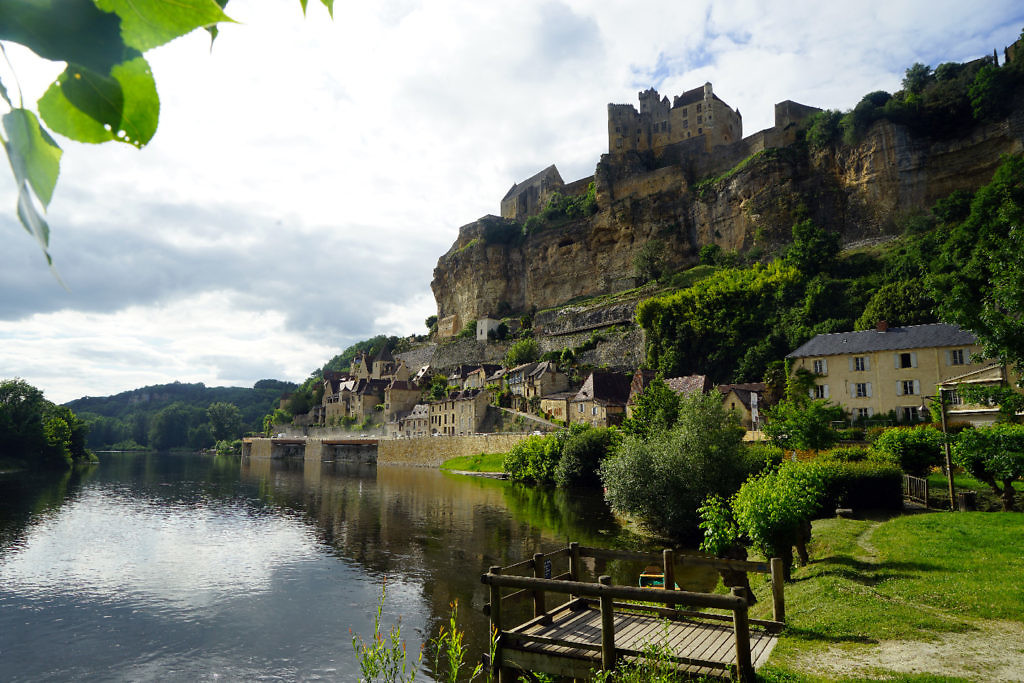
(893, 339)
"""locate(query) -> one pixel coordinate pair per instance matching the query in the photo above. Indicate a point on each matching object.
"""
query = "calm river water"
(179, 567)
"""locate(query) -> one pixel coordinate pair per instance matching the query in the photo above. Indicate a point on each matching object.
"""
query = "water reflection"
(181, 567)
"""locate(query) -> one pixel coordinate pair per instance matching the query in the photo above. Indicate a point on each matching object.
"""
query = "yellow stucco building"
(872, 372)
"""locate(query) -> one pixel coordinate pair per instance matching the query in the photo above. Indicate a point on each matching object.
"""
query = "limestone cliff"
(496, 267)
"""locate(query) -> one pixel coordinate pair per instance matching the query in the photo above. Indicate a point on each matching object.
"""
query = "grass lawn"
(481, 462)
(925, 597)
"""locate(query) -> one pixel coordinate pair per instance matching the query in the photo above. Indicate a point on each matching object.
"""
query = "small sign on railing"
(547, 569)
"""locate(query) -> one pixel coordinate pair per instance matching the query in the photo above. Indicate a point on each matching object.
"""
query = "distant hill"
(130, 415)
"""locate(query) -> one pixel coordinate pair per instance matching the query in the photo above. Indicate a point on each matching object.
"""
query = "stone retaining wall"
(431, 451)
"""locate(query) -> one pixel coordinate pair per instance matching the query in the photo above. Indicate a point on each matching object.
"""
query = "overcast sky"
(308, 173)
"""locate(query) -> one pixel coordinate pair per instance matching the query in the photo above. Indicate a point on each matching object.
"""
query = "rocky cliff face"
(495, 269)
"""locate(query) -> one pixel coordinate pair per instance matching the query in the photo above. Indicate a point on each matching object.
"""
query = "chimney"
(882, 326)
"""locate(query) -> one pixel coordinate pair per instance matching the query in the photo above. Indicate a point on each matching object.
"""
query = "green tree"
(37, 432)
(916, 78)
(654, 410)
(169, 427)
(431, 322)
(813, 250)
(225, 420)
(663, 479)
(805, 425)
(582, 453)
(906, 302)
(994, 455)
(978, 281)
(650, 263)
(523, 351)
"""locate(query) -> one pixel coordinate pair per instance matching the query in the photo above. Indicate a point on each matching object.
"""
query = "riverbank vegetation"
(481, 462)
(36, 433)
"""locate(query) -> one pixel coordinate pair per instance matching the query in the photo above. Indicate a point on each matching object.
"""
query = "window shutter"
(825, 388)
(899, 388)
(870, 411)
(867, 362)
(917, 386)
(896, 361)
(913, 359)
(853, 390)
(949, 357)
(824, 368)
(810, 393)
(869, 391)
(851, 363)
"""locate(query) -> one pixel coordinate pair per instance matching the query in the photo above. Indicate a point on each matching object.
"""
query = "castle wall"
(578, 187)
(432, 451)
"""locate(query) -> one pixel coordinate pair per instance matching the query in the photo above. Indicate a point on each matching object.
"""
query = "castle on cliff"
(697, 131)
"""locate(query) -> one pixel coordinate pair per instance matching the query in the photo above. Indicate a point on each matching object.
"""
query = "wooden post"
(538, 595)
(607, 627)
(668, 561)
(744, 668)
(574, 561)
(497, 667)
(778, 588)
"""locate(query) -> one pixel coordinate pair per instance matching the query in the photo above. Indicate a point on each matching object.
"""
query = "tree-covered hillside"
(178, 415)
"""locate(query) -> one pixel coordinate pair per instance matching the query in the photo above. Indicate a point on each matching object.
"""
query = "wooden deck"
(601, 625)
(704, 649)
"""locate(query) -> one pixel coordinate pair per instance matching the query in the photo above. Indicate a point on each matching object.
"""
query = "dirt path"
(988, 650)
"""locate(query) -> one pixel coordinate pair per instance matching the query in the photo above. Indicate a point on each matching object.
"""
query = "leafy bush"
(802, 424)
(850, 434)
(916, 449)
(582, 453)
(533, 460)
(663, 479)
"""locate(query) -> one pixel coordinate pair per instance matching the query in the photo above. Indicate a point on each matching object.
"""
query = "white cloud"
(308, 173)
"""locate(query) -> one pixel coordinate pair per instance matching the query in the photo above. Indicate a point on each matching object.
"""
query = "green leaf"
(89, 107)
(145, 24)
(329, 4)
(33, 222)
(141, 111)
(73, 31)
(34, 156)
(3, 93)
(303, 3)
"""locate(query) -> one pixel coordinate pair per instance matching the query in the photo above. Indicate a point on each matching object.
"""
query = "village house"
(684, 386)
(745, 399)
(399, 397)
(601, 401)
(556, 406)
(416, 423)
(484, 327)
(477, 379)
(545, 379)
(872, 372)
(959, 411)
(470, 410)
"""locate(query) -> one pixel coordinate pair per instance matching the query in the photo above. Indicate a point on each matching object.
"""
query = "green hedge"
(862, 485)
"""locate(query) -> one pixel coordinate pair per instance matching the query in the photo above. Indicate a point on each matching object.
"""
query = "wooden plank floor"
(694, 640)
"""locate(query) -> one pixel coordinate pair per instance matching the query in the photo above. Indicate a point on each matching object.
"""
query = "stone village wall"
(428, 451)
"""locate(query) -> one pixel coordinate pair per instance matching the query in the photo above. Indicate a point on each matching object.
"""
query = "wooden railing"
(604, 595)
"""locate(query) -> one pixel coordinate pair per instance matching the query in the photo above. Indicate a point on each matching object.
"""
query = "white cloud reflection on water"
(177, 556)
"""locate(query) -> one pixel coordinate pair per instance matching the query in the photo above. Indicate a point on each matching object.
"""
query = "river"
(187, 567)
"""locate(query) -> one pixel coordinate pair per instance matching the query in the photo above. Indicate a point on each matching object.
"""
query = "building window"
(863, 413)
(956, 357)
(820, 391)
(953, 397)
(820, 366)
(909, 414)
(593, 410)
(908, 387)
(700, 131)
(581, 407)
(861, 390)
(686, 123)
(860, 364)
(698, 106)
(618, 129)
(906, 360)
(699, 118)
